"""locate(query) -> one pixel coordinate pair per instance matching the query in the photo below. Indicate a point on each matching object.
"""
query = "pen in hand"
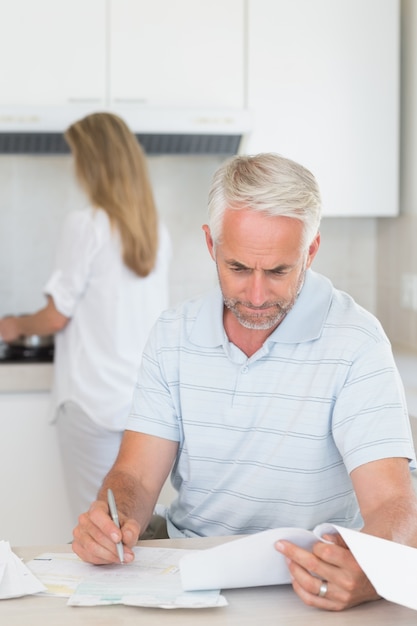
(115, 518)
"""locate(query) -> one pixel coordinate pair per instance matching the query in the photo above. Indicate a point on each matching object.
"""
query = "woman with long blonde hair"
(109, 284)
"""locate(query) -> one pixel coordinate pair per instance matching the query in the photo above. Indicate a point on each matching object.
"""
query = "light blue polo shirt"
(270, 440)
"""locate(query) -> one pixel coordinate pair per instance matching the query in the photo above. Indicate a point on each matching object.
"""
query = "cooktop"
(20, 354)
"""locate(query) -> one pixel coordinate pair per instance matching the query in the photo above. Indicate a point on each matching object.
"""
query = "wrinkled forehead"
(255, 238)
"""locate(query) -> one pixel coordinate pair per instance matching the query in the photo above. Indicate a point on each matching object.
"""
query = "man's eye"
(278, 273)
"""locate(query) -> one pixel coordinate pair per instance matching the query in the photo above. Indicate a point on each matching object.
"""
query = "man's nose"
(257, 289)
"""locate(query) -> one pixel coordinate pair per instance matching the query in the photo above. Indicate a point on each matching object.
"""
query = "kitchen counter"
(25, 377)
(28, 377)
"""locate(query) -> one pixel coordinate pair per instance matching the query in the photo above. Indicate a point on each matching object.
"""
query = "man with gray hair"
(273, 401)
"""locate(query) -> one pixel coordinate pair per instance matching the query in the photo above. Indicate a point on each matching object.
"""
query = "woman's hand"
(9, 328)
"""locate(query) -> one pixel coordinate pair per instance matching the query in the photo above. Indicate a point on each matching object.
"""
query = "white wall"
(36, 192)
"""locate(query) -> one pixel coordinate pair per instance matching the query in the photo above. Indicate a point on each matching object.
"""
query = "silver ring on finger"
(323, 589)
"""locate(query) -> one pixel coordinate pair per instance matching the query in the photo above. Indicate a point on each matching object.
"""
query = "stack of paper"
(174, 578)
(15, 578)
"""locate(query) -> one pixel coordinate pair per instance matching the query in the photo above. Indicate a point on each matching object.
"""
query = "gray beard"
(273, 320)
(262, 323)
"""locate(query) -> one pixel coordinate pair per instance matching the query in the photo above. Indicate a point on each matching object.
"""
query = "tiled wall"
(36, 193)
(397, 255)
(397, 238)
(347, 256)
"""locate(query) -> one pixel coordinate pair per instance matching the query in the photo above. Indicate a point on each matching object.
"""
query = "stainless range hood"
(39, 130)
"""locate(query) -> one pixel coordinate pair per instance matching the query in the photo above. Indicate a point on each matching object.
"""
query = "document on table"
(253, 561)
(60, 573)
(152, 580)
(172, 578)
(16, 579)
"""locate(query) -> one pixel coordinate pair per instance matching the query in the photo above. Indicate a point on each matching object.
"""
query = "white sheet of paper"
(253, 561)
(391, 567)
(16, 579)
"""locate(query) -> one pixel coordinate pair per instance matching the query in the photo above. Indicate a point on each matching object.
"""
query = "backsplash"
(363, 256)
(397, 255)
(36, 193)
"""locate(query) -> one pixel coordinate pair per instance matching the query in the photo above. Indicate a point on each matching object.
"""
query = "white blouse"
(112, 311)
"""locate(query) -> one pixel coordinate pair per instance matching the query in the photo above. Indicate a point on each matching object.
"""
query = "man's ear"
(313, 249)
(209, 241)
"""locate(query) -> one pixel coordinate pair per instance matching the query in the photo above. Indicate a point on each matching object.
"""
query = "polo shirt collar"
(304, 322)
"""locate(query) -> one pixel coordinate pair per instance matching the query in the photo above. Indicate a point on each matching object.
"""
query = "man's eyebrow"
(279, 268)
(236, 264)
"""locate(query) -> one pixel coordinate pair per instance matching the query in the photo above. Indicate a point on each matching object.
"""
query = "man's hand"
(333, 564)
(96, 536)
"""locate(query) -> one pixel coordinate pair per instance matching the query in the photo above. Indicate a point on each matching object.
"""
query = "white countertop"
(25, 377)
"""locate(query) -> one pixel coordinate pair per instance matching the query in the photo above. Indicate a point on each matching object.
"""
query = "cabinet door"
(183, 53)
(323, 85)
(35, 507)
(52, 52)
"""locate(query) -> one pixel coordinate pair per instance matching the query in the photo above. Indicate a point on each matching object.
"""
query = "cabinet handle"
(131, 100)
(84, 100)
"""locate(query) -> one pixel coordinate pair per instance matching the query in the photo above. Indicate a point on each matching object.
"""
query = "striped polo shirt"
(270, 440)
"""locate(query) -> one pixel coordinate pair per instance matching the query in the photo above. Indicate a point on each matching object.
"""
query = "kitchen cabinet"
(34, 505)
(187, 53)
(97, 53)
(52, 53)
(323, 86)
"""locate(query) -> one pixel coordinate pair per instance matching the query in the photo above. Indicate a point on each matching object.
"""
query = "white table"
(261, 606)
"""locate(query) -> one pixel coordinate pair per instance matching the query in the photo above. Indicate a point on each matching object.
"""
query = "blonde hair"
(268, 183)
(111, 167)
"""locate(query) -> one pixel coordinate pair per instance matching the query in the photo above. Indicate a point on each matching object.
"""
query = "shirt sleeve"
(370, 419)
(153, 410)
(76, 249)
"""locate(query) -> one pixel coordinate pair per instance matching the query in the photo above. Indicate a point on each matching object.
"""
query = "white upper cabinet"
(323, 87)
(117, 53)
(185, 53)
(52, 52)
(320, 78)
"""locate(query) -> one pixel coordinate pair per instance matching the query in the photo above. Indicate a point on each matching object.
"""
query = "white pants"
(88, 451)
